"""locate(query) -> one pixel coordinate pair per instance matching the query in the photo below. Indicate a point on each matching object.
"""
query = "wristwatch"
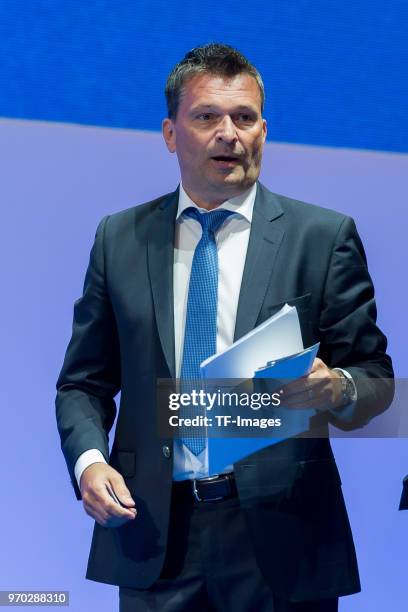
(348, 387)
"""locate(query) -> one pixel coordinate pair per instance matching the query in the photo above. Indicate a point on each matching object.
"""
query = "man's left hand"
(321, 389)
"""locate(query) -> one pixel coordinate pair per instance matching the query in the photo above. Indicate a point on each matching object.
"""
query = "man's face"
(218, 136)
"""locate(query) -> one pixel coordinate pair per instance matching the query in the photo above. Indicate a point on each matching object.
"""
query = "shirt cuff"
(93, 455)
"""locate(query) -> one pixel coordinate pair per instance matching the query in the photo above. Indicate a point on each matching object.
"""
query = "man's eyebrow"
(202, 106)
(239, 107)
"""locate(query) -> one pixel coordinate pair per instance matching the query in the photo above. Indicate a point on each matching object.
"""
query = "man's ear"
(264, 130)
(169, 134)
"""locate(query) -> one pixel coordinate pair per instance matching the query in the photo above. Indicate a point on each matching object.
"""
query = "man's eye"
(204, 116)
(245, 117)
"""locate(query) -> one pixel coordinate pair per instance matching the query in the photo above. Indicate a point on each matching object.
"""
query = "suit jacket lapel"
(160, 250)
(264, 242)
(263, 246)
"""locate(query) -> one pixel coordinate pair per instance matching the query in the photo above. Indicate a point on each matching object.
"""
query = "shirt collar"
(242, 204)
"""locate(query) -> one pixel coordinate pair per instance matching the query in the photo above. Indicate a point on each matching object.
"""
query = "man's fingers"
(299, 398)
(120, 492)
(294, 387)
(106, 500)
(100, 486)
(310, 393)
(113, 510)
(304, 382)
(304, 403)
(109, 518)
(108, 512)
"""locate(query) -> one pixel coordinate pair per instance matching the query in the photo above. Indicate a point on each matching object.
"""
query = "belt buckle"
(195, 490)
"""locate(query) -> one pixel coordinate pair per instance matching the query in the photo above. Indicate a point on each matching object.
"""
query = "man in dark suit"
(169, 283)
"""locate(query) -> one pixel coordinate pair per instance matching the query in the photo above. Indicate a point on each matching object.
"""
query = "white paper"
(276, 337)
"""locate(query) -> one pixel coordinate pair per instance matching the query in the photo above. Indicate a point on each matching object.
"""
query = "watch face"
(347, 388)
(350, 389)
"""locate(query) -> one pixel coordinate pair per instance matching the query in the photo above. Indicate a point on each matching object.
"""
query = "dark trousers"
(210, 566)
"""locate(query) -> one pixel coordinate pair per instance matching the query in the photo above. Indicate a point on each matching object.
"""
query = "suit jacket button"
(166, 451)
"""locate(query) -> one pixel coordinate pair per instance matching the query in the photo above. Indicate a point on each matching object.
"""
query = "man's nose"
(226, 131)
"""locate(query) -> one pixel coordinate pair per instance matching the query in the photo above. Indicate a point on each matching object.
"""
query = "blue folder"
(224, 451)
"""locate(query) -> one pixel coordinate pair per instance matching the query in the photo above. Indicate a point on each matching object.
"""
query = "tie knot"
(210, 221)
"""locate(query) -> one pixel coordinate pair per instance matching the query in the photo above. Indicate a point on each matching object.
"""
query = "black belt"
(214, 488)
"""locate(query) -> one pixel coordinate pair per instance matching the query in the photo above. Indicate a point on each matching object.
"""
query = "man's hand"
(99, 484)
(321, 389)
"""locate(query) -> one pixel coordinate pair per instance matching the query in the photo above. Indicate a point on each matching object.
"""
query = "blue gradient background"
(333, 71)
(336, 110)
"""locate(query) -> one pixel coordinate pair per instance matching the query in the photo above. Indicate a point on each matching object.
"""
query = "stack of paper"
(277, 337)
(273, 350)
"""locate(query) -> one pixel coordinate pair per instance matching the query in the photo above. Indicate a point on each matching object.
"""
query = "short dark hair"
(213, 58)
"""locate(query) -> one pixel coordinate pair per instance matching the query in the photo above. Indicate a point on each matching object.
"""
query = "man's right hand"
(96, 482)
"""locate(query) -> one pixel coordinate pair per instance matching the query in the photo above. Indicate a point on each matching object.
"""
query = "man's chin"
(232, 184)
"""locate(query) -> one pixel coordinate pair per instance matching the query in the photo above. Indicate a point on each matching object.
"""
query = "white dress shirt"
(232, 244)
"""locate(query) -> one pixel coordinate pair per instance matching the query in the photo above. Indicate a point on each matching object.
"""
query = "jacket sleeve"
(90, 376)
(350, 336)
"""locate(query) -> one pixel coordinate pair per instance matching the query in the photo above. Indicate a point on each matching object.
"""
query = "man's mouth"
(225, 158)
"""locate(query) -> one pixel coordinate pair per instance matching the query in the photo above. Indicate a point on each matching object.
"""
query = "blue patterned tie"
(200, 335)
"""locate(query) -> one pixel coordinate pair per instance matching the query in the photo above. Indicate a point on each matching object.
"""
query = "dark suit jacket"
(123, 339)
